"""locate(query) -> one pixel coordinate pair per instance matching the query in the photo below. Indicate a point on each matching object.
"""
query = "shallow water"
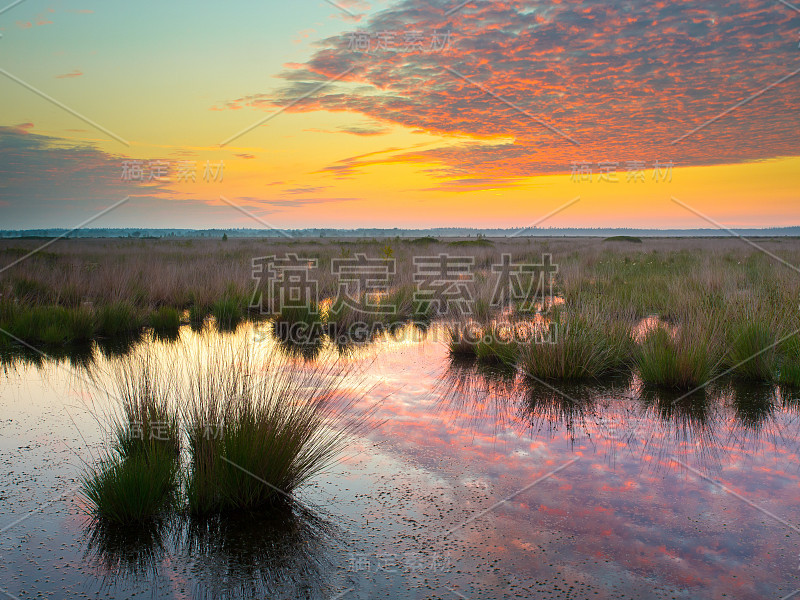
(469, 485)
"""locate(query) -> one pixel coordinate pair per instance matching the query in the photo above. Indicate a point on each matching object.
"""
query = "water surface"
(470, 484)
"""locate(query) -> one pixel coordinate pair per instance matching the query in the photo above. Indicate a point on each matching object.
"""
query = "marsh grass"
(463, 339)
(118, 319)
(166, 322)
(308, 314)
(789, 374)
(227, 312)
(134, 489)
(497, 346)
(682, 360)
(259, 429)
(51, 325)
(197, 314)
(586, 346)
(753, 352)
(137, 479)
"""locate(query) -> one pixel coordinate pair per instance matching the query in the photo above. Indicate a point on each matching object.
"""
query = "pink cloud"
(70, 75)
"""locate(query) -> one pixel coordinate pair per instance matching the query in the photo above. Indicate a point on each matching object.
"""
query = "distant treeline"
(462, 232)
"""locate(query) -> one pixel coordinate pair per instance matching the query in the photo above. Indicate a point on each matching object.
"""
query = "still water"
(469, 484)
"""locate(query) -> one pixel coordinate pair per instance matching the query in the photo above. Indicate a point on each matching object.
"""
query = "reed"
(138, 478)
(259, 429)
(684, 359)
(753, 351)
(585, 346)
(227, 312)
(166, 322)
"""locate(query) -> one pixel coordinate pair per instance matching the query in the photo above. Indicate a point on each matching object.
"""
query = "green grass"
(308, 314)
(51, 325)
(497, 346)
(166, 322)
(752, 352)
(586, 346)
(275, 426)
(463, 339)
(683, 360)
(138, 478)
(130, 490)
(198, 313)
(789, 374)
(227, 312)
(118, 319)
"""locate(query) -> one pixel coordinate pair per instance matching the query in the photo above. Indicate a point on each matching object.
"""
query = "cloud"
(71, 74)
(245, 156)
(41, 174)
(273, 205)
(365, 130)
(307, 189)
(537, 86)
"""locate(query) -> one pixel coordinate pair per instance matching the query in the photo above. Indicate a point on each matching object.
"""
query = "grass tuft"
(682, 360)
(585, 346)
(134, 489)
(227, 312)
(118, 319)
(753, 353)
(166, 322)
(258, 431)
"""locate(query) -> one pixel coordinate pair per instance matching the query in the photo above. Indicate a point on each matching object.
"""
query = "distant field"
(713, 300)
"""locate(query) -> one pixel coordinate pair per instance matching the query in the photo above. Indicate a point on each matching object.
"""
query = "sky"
(418, 113)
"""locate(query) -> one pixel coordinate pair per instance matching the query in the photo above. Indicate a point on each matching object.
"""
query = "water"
(469, 485)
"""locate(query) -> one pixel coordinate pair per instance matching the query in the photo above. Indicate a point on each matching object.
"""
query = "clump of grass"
(52, 324)
(133, 489)
(307, 313)
(463, 339)
(348, 323)
(789, 374)
(137, 480)
(197, 314)
(118, 319)
(79, 323)
(227, 312)
(682, 360)
(585, 346)
(406, 308)
(299, 327)
(752, 352)
(166, 322)
(497, 346)
(259, 430)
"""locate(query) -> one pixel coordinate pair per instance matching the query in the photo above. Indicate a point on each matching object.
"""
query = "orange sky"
(404, 114)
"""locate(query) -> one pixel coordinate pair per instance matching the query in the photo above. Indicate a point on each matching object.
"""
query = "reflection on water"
(453, 439)
(127, 552)
(253, 556)
(631, 415)
(280, 554)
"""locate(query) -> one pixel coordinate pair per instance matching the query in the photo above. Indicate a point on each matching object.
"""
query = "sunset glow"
(401, 114)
